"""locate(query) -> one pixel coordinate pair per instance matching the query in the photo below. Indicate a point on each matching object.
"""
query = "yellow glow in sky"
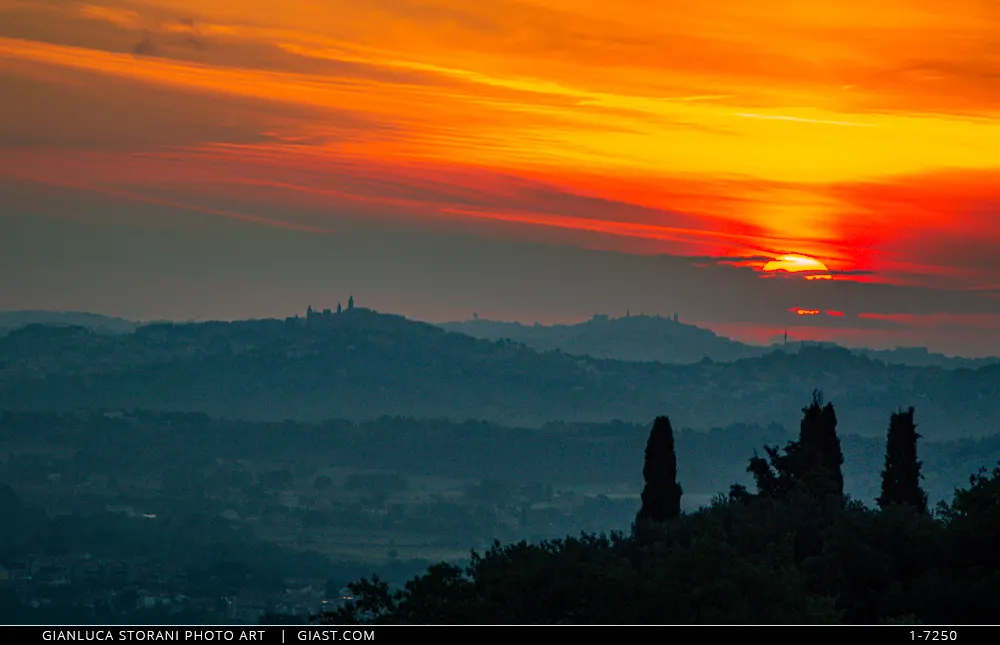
(831, 129)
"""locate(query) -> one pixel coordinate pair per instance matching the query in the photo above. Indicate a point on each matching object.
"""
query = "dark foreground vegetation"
(798, 550)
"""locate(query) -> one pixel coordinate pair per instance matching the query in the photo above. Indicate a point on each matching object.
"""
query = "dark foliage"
(797, 552)
(810, 465)
(795, 560)
(661, 495)
(901, 476)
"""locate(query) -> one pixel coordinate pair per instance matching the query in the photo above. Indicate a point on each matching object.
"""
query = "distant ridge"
(667, 340)
(10, 320)
(362, 364)
(625, 338)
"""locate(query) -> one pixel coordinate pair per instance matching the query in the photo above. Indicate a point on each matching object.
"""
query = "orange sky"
(864, 133)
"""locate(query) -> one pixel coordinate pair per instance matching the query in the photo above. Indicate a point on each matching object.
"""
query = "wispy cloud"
(799, 119)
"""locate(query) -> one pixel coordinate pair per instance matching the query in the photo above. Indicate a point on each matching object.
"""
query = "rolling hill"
(11, 320)
(667, 340)
(363, 364)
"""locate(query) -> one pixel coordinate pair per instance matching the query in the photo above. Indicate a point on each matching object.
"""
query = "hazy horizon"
(750, 339)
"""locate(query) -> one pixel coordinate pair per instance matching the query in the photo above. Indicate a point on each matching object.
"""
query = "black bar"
(300, 635)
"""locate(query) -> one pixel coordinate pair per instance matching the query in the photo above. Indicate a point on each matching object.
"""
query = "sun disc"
(794, 263)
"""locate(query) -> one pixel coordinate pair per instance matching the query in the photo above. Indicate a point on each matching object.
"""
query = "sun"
(797, 264)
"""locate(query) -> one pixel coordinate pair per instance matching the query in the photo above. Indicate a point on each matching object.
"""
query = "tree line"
(811, 465)
(795, 551)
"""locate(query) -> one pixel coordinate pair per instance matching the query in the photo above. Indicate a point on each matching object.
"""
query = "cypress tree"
(901, 476)
(661, 496)
(819, 459)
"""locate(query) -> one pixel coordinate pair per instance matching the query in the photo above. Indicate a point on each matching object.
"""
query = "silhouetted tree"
(810, 465)
(350, 302)
(901, 476)
(339, 308)
(821, 457)
(661, 496)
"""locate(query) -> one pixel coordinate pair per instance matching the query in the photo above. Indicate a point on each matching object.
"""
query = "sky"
(829, 167)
